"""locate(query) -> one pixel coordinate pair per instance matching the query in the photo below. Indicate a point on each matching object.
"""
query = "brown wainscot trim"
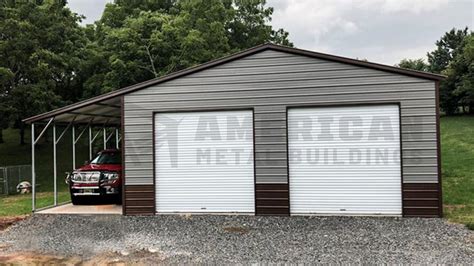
(421, 200)
(139, 200)
(272, 199)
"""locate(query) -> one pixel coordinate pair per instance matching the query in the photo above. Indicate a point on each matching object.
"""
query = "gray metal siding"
(270, 81)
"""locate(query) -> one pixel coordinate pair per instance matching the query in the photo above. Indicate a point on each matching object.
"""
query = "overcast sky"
(383, 31)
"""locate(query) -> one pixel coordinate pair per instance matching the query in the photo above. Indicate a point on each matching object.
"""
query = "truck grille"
(86, 177)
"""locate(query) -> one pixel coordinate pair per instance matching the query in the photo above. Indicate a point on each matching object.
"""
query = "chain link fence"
(11, 176)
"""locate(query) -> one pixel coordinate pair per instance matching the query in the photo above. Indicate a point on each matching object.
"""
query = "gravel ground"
(244, 239)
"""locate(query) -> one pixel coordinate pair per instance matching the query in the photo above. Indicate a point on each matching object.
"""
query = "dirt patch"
(110, 258)
(36, 259)
(235, 229)
(7, 221)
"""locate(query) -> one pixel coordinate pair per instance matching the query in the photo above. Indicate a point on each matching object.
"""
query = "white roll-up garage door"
(345, 160)
(204, 162)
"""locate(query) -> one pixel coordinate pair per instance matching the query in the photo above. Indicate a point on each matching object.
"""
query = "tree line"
(453, 57)
(48, 60)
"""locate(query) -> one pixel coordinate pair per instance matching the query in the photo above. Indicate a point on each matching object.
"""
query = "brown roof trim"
(335, 58)
(226, 59)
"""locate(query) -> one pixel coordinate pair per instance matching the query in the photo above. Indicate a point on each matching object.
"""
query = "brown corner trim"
(153, 146)
(438, 151)
(122, 129)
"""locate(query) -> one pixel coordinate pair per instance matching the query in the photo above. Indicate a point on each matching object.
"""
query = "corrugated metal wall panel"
(350, 167)
(247, 83)
(286, 88)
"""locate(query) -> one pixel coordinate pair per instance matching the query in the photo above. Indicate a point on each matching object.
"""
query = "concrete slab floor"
(83, 209)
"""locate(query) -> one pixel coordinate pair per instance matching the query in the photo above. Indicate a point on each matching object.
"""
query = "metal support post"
(104, 130)
(117, 138)
(33, 174)
(73, 147)
(55, 170)
(90, 143)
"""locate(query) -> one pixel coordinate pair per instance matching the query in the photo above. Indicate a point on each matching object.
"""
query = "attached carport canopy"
(100, 112)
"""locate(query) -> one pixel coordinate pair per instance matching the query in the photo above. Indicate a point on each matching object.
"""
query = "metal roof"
(83, 111)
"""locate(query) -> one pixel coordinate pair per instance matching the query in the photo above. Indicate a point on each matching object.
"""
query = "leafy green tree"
(448, 47)
(249, 27)
(139, 40)
(116, 13)
(5, 77)
(41, 45)
(460, 74)
(414, 64)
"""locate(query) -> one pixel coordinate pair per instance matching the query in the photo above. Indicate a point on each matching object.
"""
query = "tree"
(414, 64)
(448, 47)
(248, 25)
(5, 110)
(460, 74)
(139, 40)
(41, 45)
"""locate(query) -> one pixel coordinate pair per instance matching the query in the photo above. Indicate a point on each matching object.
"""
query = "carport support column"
(73, 133)
(55, 170)
(33, 175)
(90, 143)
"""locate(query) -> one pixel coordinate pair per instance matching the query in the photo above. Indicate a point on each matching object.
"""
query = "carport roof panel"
(98, 114)
(115, 96)
(106, 112)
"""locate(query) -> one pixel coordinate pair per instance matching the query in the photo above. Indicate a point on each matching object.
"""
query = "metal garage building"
(276, 131)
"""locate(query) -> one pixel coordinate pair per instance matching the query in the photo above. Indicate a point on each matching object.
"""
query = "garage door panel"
(205, 164)
(345, 160)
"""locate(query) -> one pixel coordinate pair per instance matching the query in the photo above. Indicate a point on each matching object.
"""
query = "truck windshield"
(107, 158)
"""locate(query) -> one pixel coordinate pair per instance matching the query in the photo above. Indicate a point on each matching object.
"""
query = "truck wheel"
(76, 200)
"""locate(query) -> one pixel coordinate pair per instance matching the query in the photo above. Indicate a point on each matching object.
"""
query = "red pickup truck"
(100, 178)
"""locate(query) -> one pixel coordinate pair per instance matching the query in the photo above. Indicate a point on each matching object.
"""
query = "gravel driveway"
(245, 239)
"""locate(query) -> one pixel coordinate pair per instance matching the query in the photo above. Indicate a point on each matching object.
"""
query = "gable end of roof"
(229, 58)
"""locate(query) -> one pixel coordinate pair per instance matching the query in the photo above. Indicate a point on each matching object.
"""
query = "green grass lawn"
(457, 155)
(21, 204)
(457, 147)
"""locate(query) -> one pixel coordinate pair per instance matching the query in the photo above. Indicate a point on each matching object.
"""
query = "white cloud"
(384, 30)
(413, 6)
(308, 21)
